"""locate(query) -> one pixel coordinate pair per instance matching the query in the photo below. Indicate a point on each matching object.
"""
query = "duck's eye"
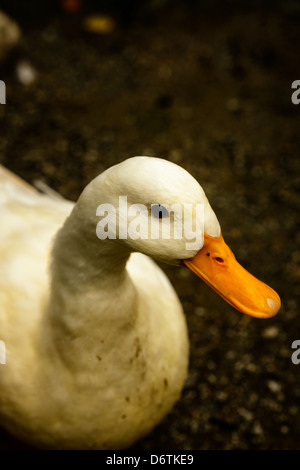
(159, 211)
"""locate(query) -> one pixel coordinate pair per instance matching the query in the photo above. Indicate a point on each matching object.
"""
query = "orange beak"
(216, 265)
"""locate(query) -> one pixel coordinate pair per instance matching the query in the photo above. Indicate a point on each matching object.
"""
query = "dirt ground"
(208, 87)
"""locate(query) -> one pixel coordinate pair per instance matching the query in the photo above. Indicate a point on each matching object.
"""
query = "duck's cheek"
(216, 265)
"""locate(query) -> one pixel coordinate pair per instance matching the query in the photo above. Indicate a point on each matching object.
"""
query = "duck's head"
(157, 208)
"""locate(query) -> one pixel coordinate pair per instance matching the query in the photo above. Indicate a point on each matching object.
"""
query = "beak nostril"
(219, 259)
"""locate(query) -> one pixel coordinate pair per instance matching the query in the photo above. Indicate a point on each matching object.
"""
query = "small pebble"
(25, 73)
(270, 332)
(99, 24)
(275, 387)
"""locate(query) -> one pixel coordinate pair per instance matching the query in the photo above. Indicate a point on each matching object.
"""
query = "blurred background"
(207, 85)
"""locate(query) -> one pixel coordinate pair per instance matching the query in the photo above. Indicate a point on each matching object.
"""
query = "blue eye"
(159, 211)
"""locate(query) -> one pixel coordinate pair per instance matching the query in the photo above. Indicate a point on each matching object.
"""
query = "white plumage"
(95, 336)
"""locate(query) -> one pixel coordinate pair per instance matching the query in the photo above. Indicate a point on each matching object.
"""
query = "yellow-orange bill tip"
(216, 265)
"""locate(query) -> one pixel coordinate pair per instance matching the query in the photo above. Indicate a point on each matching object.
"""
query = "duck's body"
(95, 336)
(58, 386)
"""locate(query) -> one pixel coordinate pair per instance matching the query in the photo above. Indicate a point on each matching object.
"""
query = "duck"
(96, 340)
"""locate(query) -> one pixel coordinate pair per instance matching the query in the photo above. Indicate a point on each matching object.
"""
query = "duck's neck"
(91, 294)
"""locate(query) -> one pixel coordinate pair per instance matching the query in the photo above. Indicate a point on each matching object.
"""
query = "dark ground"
(209, 88)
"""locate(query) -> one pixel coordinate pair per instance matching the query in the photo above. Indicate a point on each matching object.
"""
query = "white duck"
(95, 336)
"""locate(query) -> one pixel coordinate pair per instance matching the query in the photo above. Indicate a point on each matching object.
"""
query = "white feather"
(95, 336)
